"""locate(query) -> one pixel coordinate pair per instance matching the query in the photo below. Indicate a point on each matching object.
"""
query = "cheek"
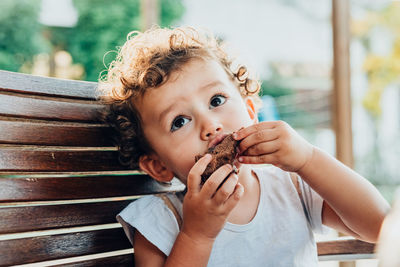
(180, 161)
(238, 110)
(182, 170)
(177, 153)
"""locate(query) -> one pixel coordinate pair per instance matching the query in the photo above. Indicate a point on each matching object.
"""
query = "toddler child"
(174, 93)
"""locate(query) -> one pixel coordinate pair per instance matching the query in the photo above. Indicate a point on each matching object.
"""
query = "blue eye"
(217, 100)
(178, 123)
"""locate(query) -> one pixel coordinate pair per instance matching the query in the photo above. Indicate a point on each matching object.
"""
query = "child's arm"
(205, 212)
(352, 204)
(355, 200)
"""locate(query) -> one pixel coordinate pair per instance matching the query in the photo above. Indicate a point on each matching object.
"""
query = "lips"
(218, 139)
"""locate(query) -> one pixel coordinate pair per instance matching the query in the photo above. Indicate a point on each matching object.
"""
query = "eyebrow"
(170, 107)
(164, 113)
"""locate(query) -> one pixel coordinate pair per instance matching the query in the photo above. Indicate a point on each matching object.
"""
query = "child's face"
(193, 109)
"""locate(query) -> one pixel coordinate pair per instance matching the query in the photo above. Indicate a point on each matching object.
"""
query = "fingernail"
(240, 159)
(234, 135)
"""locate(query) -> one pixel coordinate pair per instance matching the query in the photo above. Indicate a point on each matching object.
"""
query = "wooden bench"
(61, 184)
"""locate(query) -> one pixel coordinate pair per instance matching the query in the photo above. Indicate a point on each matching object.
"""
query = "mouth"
(218, 139)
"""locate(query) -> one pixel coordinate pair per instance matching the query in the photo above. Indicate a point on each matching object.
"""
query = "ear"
(154, 167)
(251, 110)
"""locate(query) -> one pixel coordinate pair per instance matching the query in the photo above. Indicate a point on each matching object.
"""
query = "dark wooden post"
(341, 86)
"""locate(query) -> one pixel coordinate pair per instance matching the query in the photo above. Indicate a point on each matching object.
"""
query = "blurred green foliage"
(274, 88)
(102, 26)
(381, 69)
(20, 37)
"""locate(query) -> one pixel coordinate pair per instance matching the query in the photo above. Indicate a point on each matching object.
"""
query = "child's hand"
(206, 208)
(273, 142)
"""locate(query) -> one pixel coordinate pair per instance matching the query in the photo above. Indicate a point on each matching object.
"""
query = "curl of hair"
(146, 61)
(127, 133)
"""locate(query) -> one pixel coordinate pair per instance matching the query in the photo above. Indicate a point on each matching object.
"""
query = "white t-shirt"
(280, 234)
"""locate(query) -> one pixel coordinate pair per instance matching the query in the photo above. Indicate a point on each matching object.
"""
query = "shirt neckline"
(244, 227)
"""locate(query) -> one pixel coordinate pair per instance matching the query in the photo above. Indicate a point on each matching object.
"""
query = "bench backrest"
(60, 181)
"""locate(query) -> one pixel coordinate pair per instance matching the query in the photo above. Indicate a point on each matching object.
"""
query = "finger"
(258, 137)
(262, 148)
(244, 132)
(194, 176)
(234, 198)
(261, 159)
(226, 189)
(211, 185)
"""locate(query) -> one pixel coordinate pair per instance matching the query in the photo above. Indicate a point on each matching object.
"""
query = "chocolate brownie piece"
(223, 153)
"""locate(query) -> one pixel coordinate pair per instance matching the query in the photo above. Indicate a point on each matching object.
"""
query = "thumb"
(194, 176)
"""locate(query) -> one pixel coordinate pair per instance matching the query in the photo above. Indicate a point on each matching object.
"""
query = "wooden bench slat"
(344, 246)
(116, 261)
(34, 159)
(43, 248)
(65, 188)
(19, 82)
(32, 218)
(26, 107)
(33, 133)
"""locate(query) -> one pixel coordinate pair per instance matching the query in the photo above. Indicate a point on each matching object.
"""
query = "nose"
(210, 128)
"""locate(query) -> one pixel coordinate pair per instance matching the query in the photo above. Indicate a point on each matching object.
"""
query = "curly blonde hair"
(146, 61)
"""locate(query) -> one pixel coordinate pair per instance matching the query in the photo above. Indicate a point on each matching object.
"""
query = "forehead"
(191, 77)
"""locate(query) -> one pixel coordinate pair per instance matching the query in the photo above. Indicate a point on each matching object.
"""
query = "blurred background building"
(287, 42)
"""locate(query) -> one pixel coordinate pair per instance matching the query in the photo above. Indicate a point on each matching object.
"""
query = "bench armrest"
(345, 249)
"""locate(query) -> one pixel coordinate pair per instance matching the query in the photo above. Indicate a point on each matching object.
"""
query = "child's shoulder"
(149, 206)
(141, 206)
(153, 219)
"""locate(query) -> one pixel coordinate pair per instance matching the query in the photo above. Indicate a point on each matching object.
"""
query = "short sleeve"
(312, 203)
(153, 219)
